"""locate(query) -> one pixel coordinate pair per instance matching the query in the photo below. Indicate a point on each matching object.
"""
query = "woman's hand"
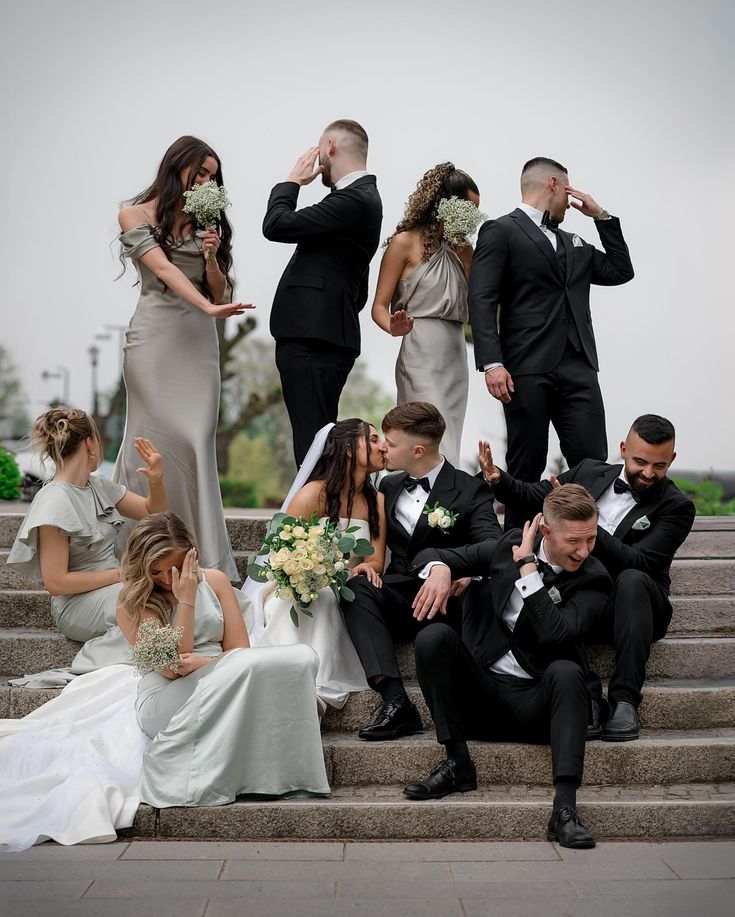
(528, 540)
(184, 583)
(225, 310)
(190, 662)
(401, 323)
(368, 571)
(152, 458)
(210, 244)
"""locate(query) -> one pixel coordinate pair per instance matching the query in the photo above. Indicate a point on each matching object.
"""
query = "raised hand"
(305, 169)
(585, 203)
(153, 460)
(499, 383)
(489, 469)
(401, 323)
(554, 481)
(530, 530)
(184, 582)
(225, 310)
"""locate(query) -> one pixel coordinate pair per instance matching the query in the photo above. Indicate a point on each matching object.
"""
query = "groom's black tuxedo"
(315, 314)
(380, 616)
(529, 310)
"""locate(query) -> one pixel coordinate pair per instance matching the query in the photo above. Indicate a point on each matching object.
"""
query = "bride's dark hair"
(184, 153)
(338, 462)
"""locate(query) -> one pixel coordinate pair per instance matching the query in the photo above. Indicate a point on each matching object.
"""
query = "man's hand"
(459, 586)
(554, 481)
(490, 470)
(432, 596)
(586, 204)
(528, 540)
(499, 383)
(305, 169)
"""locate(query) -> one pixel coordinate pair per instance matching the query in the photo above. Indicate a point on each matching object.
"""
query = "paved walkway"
(441, 879)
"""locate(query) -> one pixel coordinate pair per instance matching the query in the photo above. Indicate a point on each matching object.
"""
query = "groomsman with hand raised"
(530, 313)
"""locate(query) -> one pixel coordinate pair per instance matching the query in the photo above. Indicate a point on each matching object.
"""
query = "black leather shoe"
(567, 830)
(623, 725)
(599, 714)
(446, 778)
(394, 719)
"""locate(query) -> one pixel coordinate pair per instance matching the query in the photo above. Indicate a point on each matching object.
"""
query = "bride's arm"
(372, 566)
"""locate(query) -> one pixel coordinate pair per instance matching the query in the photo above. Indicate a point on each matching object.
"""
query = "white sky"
(636, 98)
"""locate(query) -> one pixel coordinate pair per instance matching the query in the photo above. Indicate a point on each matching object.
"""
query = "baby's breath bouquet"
(460, 218)
(156, 647)
(306, 555)
(205, 203)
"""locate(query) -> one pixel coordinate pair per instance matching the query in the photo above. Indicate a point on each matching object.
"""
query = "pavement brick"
(691, 860)
(592, 865)
(692, 890)
(207, 888)
(355, 907)
(275, 870)
(232, 850)
(95, 908)
(14, 890)
(52, 852)
(451, 851)
(130, 870)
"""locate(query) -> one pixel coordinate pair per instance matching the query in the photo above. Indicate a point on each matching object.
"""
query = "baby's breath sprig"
(460, 219)
(156, 647)
(205, 203)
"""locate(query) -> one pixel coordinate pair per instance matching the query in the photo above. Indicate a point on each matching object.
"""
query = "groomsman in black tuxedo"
(529, 308)
(644, 518)
(428, 505)
(315, 315)
(524, 678)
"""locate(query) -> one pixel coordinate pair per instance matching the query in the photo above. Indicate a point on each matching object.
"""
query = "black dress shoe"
(623, 725)
(446, 778)
(394, 719)
(567, 830)
(599, 713)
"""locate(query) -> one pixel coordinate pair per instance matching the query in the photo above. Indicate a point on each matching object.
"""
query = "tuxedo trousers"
(469, 702)
(313, 374)
(381, 616)
(568, 397)
(638, 614)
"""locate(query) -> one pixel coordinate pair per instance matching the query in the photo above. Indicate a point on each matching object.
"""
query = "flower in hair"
(460, 219)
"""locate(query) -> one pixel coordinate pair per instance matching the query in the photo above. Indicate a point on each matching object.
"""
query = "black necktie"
(548, 223)
(623, 487)
(412, 483)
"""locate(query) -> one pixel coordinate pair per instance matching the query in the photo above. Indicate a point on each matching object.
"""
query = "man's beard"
(645, 491)
(326, 171)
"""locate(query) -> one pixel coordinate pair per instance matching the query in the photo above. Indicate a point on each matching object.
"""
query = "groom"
(429, 506)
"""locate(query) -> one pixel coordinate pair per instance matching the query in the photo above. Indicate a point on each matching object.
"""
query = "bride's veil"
(253, 590)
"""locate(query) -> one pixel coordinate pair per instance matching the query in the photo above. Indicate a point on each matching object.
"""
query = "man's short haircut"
(570, 502)
(551, 164)
(654, 429)
(417, 418)
(358, 134)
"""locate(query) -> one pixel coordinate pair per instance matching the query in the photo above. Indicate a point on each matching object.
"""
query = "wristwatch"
(528, 559)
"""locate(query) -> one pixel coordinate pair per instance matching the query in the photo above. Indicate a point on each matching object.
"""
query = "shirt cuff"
(527, 585)
(424, 574)
(488, 366)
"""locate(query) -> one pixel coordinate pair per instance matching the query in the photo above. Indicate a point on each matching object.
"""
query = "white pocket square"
(576, 241)
(641, 524)
(555, 595)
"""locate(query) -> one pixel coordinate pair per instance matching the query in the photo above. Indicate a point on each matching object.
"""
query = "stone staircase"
(678, 780)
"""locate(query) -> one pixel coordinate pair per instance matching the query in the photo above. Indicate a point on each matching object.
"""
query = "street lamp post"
(94, 354)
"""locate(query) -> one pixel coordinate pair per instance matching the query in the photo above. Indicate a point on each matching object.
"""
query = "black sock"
(457, 751)
(566, 793)
(390, 689)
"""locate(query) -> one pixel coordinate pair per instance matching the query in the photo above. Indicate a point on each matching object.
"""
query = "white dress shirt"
(410, 503)
(349, 178)
(524, 586)
(612, 507)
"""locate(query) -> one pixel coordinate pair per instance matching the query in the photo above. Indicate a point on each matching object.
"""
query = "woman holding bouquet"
(338, 488)
(171, 367)
(421, 295)
(225, 720)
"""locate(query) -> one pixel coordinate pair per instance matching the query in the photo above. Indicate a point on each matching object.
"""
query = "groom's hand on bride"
(305, 169)
(431, 599)
(368, 571)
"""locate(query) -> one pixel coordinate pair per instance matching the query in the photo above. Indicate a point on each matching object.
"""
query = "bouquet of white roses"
(205, 203)
(460, 218)
(156, 647)
(306, 555)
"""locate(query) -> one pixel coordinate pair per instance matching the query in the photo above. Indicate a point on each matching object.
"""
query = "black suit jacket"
(516, 270)
(650, 548)
(325, 284)
(456, 491)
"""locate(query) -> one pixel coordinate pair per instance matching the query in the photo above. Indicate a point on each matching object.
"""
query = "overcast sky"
(636, 98)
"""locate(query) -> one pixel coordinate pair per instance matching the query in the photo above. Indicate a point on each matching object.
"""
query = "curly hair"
(58, 433)
(443, 181)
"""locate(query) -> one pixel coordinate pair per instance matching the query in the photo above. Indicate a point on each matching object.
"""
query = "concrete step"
(495, 812)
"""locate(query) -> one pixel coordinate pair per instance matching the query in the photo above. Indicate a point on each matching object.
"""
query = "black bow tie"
(546, 570)
(623, 487)
(412, 483)
(548, 223)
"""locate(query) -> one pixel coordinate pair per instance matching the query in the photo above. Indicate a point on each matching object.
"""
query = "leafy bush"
(707, 497)
(237, 493)
(9, 476)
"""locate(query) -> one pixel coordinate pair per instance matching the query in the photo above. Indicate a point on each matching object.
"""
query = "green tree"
(13, 415)
(9, 476)
(707, 497)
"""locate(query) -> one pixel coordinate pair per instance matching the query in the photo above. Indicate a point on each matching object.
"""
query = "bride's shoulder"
(308, 500)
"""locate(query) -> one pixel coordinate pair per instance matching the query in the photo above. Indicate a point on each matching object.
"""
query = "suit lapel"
(442, 493)
(391, 491)
(601, 483)
(562, 239)
(638, 511)
(535, 234)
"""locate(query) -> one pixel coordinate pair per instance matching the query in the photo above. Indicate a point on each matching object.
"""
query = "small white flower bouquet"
(156, 647)
(205, 203)
(440, 517)
(460, 218)
(306, 555)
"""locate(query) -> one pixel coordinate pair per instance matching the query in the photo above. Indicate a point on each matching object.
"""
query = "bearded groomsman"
(644, 519)
(529, 309)
(315, 315)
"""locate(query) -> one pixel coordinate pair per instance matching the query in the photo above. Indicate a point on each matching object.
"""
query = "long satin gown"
(246, 723)
(172, 378)
(432, 361)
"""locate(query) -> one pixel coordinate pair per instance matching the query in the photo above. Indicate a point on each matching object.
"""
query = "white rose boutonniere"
(440, 517)
(640, 525)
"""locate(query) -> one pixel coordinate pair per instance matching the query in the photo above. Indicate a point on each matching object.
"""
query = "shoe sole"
(388, 737)
(594, 734)
(619, 738)
(584, 845)
(464, 788)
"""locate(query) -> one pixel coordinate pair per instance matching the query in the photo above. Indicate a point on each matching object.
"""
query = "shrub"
(237, 493)
(9, 476)
(706, 496)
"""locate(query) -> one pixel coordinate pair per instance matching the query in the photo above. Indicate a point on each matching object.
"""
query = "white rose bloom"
(307, 564)
(286, 536)
(289, 568)
(435, 518)
(339, 566)
(299, 531)
(445, 522)
(316, 532)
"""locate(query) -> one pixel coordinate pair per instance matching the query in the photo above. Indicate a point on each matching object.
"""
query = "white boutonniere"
(440, 517)
(555, 595)
(576, 241)
(640, 525)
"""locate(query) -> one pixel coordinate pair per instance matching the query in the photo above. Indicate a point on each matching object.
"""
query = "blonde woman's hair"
(58, 433)
(152, 539)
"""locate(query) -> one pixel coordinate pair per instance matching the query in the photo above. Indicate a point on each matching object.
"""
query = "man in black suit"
(315, 315)
(644, 518)
(429, 504)
(538, 352)
(524, 679)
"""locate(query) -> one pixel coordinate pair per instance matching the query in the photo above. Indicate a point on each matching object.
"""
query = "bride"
(334, 482)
